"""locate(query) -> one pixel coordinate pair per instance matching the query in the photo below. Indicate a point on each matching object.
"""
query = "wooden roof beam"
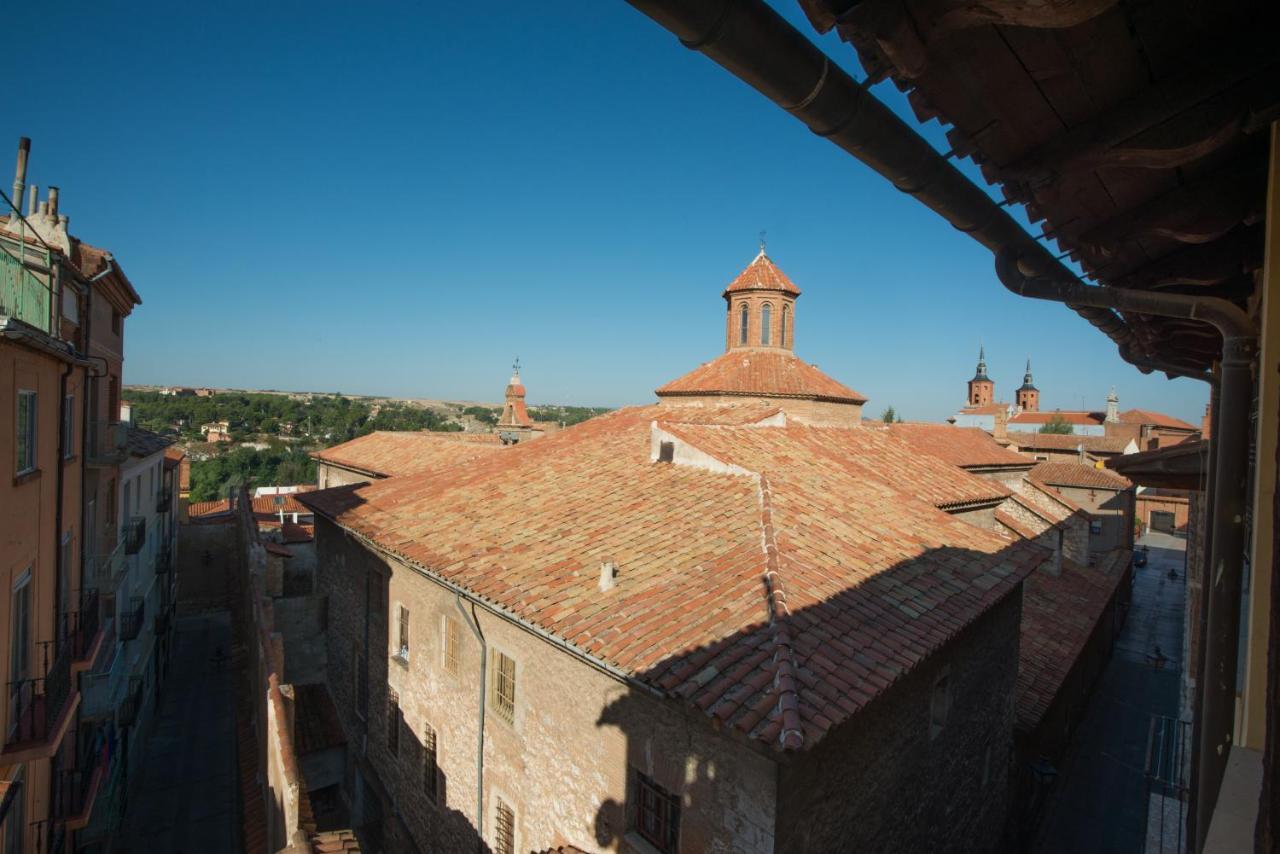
(1168, 124)
(1204, 265)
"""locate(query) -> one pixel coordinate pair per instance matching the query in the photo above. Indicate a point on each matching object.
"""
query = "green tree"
(1057, 424)
(889, 416)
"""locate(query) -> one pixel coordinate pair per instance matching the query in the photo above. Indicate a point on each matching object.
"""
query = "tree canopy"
(1057, 424)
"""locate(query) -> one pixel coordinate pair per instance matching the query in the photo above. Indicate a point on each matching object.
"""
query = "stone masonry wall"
(880, 783)
(562, 765)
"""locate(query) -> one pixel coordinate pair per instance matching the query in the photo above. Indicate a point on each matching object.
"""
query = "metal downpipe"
(473, 623)
(1215, 721)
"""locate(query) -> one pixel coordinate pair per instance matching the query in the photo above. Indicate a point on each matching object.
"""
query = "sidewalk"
(1100, 801)
(184, 800)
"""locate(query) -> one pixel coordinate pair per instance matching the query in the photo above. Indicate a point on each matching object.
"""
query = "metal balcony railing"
(107, 567)
(79, 629)
(106, 443)
(22, 294)
(36, 705)
(127, 714)
(72, 790)
(164, 500)
(134, 534)
(130, 621)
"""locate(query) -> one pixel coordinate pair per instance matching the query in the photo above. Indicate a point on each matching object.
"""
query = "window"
(26, 432)
(939, 704)
(655, 813)
(15, 823)
(766, 324)
(403, 649)
(115, 322)
(782, 332)
(430, 771)
(393, 722)
(1095, 526)
(68, 427)
(504, 828)
(19, 643)
(360, 676)
(449, 647)
(502, 693)
(742, 324)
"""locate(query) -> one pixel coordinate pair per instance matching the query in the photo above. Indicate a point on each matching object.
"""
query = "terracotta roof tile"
(291, 533)
(1088, 419)
(209, 508)
(385, 453)
(1059, 614)
(986, 409)
(143, 443)
(1079, 475)
(960, 446)
(1068, 442)
(762, 274)
(761, 372)
(1158, 419)
(869, 591)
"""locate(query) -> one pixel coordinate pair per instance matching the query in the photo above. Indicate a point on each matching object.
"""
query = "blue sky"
(397, 200)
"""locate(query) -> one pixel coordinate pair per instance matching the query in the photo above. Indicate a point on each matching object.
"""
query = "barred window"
(502, 694)
(449, 648)
(504, 835)
(430, 771)
(403, 649)
(939, 704)
(393, 722)
(655, 813)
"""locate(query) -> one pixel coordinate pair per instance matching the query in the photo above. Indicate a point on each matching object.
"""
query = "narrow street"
(1101, 800)
(184, 799)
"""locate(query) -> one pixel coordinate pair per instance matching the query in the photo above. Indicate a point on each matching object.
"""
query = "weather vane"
(515, 366)
(762, 234)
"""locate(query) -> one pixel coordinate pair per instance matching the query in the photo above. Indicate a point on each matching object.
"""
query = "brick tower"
(761, 307)
(514, 426)
(1028, 394)
(982, 390)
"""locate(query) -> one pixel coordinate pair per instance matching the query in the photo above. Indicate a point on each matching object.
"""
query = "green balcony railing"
(22, 294)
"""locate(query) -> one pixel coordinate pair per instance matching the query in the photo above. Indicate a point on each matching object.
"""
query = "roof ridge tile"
(791, 736)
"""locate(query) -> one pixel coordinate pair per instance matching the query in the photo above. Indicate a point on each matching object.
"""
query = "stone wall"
(882, 783)
(329, 474)
(1113, 511)
(204, 564)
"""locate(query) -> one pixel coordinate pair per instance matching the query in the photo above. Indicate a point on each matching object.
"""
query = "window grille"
(656, 813)
(430, 783)
(393, 722)
(504, 837)
(450, 645)
(503, 694)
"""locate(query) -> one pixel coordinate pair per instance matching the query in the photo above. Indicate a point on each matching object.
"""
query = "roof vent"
(608, 576)
(666, 452)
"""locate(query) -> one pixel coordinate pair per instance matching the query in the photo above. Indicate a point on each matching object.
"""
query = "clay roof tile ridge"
(791, 735)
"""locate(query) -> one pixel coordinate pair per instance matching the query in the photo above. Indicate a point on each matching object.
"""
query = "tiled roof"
(1157, 419)
(1068, 442)
(208, 508)
(1059, 614)
(277, 549)
(1016, 526)
(762, 274)
(1085, 418)
(986, 409)
(292, 533)
(143, 443)
(390, 454)
(960, 446)
(273, 504)
(761, 373)
(1078, 474)
(725, 414)
(334, 842)
(173, 456)
(857, 597)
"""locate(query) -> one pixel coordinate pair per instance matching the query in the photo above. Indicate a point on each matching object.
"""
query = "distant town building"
(216, 431)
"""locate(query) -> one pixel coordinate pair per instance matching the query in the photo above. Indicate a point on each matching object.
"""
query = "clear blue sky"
(381, 199)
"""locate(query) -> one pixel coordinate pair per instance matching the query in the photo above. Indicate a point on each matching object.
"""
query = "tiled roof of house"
(277, 549)
(291, 533)
(1068, 442)
(762, 274)
(208, 508)
(738, 589)
(143, 443)
(960, 446)
(732, 414)
(986, 409)
(1078, 474)
(1016, 526)
(384, 453)
(1059, 614)
(761, 373)
(1158, 419)
(272, 505)
(1076, 417)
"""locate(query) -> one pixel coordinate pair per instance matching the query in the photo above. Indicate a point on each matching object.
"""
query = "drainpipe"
(474, 624)
(1214, 721)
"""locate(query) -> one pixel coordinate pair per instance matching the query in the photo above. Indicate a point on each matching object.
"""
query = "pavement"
(1101, 798)
(184, 797)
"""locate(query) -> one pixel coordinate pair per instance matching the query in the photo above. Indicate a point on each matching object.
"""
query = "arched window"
(766, 324)
(782, 333)
(742, 324)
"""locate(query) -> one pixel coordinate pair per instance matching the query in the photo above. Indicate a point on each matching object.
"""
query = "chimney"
(608, 575)
(53, 202)
(1204, 423)
(20, 173)
(1001, 431)
(33, 199)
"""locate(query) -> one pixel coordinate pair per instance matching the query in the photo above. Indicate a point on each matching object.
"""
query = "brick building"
(1058, 447)
(733, 620)
(1106, 496)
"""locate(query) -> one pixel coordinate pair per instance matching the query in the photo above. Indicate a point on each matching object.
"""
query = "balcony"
(164, 500)
(23, 296)
(127, 713)
(74, 792)
(41, 709)
(134, 534)
(130, 621)
(106, 443)
(82, 631)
